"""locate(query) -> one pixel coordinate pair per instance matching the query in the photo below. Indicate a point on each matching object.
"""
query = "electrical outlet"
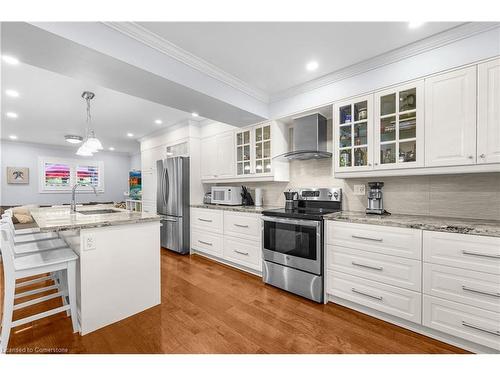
(89, 242)
(359, 190)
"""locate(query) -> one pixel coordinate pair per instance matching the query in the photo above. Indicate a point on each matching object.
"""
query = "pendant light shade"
(83, 150)
(91, 144)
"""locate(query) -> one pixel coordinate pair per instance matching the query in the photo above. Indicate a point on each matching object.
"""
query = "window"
(59, 175)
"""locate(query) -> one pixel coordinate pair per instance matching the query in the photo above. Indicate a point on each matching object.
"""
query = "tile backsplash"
(474, 195)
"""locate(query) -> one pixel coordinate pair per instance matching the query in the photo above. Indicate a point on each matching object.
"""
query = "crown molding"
(434, 41)
(143, 35)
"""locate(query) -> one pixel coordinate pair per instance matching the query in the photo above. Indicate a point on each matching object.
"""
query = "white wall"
(17, 154)
(135, 161)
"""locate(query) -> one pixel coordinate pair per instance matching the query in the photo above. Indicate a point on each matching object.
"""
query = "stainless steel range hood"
(308, 139)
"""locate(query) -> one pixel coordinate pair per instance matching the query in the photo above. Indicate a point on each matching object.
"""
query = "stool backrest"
(8, 220)
(7, 246)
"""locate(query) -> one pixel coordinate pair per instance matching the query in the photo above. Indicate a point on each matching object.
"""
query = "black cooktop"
(301, 213)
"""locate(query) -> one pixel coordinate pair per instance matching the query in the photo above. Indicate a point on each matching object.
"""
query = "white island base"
(118, 273)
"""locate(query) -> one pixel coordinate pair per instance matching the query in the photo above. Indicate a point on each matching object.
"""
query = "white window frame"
(73, 165)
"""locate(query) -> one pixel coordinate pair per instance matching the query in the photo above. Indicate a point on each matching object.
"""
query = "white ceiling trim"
(435, 41)
(153, 40)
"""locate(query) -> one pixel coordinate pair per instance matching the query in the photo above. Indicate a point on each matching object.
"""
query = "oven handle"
(307, 223)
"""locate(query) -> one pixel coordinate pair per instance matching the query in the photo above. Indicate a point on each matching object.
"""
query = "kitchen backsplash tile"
(467, 195)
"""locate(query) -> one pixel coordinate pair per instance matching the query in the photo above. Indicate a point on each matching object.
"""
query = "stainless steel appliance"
(375, 199)
(290, 200)
(307, 138)
(172, 203)
(292, 242)
(227, 195)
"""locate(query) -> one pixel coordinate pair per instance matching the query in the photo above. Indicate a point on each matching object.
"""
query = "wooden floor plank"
(211, 308)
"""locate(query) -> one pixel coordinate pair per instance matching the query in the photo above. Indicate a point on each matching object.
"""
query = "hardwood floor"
(210, 308)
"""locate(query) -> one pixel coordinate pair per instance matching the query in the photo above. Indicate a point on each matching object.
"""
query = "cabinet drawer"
(401, 242)
(477, 289)
(209, 243)
(476, 253)
(403, 303)
(473, 324)
(401, 272)
(244, 252)
(207, 219)
(243, 225)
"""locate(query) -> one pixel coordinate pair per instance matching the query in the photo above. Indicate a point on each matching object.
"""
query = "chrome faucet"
(73, 194)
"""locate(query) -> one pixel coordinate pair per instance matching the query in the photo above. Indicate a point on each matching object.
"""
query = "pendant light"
(91, 144)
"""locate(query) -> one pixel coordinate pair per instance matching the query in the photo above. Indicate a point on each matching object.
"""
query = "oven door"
(292, 242)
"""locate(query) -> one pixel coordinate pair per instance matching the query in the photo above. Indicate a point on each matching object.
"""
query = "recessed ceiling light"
(10, 60)
(12, 93)
(194, 114)
(415, 24)
(312, 65)
(11, 115)
(111, 149)
(159, 122)
(13, 136)
(130, 134)
(73, 138)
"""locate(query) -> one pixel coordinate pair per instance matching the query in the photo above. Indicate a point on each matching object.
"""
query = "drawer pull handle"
(241, 225)
(205, 220)
(205, 243)
(241, 252)
(466, 252)
(367, 266)
(491, 331)
(493, 294)
(367, 238)
(366, 294)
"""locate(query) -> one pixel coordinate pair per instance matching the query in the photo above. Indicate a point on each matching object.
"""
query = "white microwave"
(229, 195)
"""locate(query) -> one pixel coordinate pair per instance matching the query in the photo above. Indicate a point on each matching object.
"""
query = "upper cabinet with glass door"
(353, 124)
(399, 127)
(243, 154)
(262, 149)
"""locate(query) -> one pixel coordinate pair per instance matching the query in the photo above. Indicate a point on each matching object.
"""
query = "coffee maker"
(375, 199)
(291, 201)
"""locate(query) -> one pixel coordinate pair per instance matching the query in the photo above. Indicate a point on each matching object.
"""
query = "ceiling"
(272, 56)
(50, 106)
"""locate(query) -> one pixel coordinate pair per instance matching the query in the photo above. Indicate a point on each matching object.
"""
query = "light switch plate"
(89, 242)
(359, 190)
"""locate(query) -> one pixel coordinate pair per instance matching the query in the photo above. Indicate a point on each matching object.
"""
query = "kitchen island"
(118, 272)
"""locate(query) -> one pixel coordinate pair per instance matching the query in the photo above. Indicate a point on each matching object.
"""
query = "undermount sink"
(99, 212)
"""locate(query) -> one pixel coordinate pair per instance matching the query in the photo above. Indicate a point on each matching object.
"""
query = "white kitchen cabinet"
(450, 118)
(399, 135)
(230, 237)
(217, 156)
(488, 112)
(353, 134)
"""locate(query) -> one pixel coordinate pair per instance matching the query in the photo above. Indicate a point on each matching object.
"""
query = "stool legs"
(8, 310)
(71, 285)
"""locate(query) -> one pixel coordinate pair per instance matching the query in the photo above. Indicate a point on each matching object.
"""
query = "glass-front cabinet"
(243, 152)
(353, 124)
(253, 150)
(399, 127)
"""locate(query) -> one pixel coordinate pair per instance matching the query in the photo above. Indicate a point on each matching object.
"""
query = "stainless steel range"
(292, 242)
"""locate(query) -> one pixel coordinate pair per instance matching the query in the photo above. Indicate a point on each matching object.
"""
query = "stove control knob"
(336, 195)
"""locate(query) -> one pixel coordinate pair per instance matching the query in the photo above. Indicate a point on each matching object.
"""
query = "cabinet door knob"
(369, 164)
(482, 156)
(471, 157)
(376, 163)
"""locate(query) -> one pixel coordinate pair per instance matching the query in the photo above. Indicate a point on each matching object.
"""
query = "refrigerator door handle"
(167, 188)
(163, 187)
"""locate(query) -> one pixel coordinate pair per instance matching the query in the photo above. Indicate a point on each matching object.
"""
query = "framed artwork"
(16, 175)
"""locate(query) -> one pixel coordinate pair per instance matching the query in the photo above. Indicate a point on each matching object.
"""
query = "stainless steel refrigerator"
(172, 203)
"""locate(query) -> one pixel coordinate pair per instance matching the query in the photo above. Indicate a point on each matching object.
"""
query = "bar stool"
(28, 237)
(60, 260)
(10, 213)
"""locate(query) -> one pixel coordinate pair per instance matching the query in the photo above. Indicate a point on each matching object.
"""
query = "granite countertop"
(248, 209)
(60, 218)
(434, 223)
